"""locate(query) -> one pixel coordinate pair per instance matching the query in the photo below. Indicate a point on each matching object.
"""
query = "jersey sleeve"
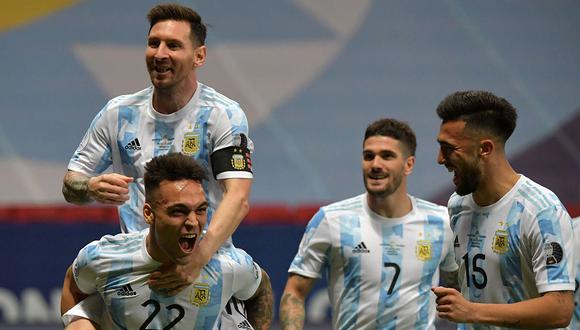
(247, 276)
(232, 146)
(92, 308)
(85, 268)
(552, 249)
(94, 153)
(312, 252)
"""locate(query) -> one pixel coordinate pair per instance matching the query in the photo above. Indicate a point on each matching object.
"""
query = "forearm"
(553, 310)
(259, 307)
(449, 279)
(75, 188)
(226, 219)
(292, 312)
(83, 324)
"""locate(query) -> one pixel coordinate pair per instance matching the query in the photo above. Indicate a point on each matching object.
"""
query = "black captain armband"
(232, 159)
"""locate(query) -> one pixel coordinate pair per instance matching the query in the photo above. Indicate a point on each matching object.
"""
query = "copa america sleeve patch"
(234, 158)
(553, 252)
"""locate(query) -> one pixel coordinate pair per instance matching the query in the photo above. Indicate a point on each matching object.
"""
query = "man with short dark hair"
(176, 114)
(513, 237)
(382, 250)
(117, 267)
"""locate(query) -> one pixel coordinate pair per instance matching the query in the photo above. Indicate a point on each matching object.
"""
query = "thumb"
(127, 179)
(440, 291)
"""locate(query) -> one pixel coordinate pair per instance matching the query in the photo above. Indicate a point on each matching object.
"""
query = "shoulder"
(536, 197)
(111, 247)
(335, 211)
(430, 207)
(237, 259)
(208, 96)
(353, 205)
(140, 98)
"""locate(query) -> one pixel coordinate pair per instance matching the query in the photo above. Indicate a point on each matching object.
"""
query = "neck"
(395, 205)
(497, 180)
(173, 99)
(154, 250)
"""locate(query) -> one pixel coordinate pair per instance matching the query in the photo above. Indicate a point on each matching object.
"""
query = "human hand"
(451, 305)
(172, 278)
(109, 188)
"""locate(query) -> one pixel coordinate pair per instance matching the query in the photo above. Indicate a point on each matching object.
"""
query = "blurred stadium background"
(311, 74)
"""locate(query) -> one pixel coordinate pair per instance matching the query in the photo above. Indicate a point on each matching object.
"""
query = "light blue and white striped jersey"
(380, 270)
(117, 268)
(576, 319)
(128, 132)
(515, 249)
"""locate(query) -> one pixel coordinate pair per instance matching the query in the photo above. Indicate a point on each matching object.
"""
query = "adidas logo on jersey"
(126, 291)
(133, 145)
(245, 325)
(361, 248)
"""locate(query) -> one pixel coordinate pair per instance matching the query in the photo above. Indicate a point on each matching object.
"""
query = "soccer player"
(176, 114)
(117, 267)
(381, 250)
(513, 237)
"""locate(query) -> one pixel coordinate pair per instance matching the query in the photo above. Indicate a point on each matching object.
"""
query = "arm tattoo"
(259, 307)
(75, 188)
(292, 313)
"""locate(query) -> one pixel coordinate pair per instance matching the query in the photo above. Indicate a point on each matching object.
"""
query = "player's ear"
(148, 214)
(199, 54)
(486, 147)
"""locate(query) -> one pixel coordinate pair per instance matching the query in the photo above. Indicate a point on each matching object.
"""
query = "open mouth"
(161, 69)
(187, 242)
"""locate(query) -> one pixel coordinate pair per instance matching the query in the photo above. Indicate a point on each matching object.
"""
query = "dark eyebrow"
(444, 143)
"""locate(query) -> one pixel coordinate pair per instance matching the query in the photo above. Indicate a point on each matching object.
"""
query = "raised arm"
(229, 214)
(292, 312)
(259, 306)
(110, 188)
(551, 310)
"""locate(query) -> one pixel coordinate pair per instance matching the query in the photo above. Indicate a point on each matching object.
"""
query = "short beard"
(390, 189)
(469, 181)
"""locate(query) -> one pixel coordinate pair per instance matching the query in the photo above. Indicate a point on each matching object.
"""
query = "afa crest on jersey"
(423, 250)
(200, 294)
(238, 160)
(500, 243)
(190, 144)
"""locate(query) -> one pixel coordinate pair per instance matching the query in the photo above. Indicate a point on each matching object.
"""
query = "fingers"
(110, 188)
(168, 284)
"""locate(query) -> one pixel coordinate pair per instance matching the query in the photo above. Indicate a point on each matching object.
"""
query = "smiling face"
(458, 153)
(171, 55)
(384, 165)
(177, 217)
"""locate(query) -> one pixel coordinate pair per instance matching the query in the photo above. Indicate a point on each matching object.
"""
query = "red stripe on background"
(65, 214)
(270, 214)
